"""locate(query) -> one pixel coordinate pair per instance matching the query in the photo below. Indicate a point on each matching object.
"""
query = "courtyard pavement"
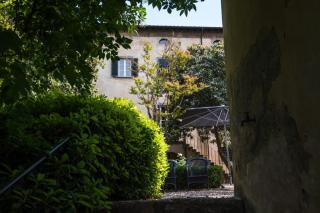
(226, 192)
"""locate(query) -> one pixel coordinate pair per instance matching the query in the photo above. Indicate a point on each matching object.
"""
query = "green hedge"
(115, 153)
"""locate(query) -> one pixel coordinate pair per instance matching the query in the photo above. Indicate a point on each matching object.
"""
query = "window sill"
(123, 77)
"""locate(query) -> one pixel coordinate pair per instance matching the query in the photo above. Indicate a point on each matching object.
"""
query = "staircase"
(204, 149)
(194, 143)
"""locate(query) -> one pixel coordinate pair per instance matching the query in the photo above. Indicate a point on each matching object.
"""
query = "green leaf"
(81, 164)
(65, 157)
(85, 203)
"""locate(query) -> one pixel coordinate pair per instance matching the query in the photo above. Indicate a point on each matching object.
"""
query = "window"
(125, 67)
(164, 41)
(163, 62)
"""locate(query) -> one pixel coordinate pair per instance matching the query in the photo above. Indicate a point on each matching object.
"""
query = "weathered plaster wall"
(273, 64)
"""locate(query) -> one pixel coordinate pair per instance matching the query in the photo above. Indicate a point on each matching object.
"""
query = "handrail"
(33, 166)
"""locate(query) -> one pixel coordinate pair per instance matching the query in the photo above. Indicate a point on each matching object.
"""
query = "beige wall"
(120, 87)
(177, 148)
(273, 63)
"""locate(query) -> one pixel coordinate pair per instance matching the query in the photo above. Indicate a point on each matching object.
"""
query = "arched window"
(164, 41)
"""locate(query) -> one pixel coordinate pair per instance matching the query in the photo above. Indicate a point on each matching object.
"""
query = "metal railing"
(33, 166)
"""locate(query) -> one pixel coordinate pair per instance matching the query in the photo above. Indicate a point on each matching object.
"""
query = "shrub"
(115, 153)
(216, 176)
(181, 174)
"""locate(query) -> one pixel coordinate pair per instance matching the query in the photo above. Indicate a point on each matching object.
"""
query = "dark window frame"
(164, 41)
(115, 67)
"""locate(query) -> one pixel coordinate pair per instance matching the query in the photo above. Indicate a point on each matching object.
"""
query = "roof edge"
(180, 27)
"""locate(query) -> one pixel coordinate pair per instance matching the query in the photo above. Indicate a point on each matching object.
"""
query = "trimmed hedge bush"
(115, 153)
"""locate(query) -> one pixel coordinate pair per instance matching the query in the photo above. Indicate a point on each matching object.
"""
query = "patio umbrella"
(213, 116)
(206, 117)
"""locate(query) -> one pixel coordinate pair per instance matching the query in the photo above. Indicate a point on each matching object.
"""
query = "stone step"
(183, 205)
(193, 149)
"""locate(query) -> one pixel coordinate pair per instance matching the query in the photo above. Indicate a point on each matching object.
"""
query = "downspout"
(201, 36)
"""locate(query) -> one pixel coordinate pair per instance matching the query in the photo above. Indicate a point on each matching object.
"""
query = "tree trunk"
(219, 145)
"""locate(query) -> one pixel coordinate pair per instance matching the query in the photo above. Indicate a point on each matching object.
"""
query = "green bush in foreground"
(115, 153)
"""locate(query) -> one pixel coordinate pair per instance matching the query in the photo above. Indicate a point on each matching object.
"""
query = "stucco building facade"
(113, 85)
(116, 78)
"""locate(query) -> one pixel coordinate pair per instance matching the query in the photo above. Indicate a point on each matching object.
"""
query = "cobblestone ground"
(227, 191)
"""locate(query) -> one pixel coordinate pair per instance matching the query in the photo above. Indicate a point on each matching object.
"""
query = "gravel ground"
(227, 191)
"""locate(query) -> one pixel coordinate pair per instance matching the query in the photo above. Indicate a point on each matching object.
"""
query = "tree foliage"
(162, 90)
(45, 41)
(207, 63)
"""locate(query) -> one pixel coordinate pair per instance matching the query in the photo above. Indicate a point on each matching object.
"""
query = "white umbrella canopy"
(212, 116)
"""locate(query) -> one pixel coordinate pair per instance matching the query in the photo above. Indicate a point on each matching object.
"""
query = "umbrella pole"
(160, 116)
(228, 154)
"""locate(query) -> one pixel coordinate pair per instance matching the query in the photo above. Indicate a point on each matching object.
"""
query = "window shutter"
(134, 67)
(114, 68)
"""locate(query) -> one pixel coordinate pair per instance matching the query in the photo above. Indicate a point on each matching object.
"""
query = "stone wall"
(188, 205)
(273, 65)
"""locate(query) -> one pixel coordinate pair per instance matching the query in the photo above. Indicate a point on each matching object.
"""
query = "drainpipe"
(201, 36)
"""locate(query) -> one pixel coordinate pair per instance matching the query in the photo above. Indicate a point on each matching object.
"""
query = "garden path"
(226, 192)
